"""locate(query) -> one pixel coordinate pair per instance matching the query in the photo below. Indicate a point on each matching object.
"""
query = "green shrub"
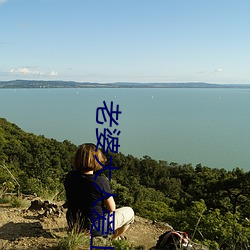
(152, 210)
(18, 202)
(125, 245)
(74, 241)
(5, 200)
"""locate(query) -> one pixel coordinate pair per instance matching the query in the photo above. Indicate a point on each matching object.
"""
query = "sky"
(125, 40)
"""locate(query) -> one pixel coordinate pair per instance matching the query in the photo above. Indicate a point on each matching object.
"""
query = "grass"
(14, 201)
(19, 202)
(77, 239)
(5, 200)
(81, 241)
(74, 241)
(52, 195)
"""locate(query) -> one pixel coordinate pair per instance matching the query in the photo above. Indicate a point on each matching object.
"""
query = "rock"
(47, 207)
(36, 205)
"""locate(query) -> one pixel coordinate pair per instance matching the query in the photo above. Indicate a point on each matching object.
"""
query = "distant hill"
(71, 84)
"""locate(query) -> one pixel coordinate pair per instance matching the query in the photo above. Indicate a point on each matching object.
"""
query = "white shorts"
(123, 216)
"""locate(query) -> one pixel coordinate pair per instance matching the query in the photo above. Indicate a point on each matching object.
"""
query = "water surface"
(207, 126)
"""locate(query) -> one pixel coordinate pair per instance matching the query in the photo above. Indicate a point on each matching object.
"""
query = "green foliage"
(227, 230)
(212, 205)
(18, 202)
(8, 186)
(5, 199)
(141, 193)
(158, 211)
(216, 230)
(121, 245)
(123, 196)
(37, 162)
(74, 241)
(236, 188)
(124, 245)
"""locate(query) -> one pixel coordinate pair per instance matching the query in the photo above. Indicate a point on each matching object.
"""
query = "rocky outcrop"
(46, 208)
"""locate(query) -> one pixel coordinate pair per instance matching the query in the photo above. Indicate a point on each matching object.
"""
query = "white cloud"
(218, 70)
(53, 73)
(211, 72)
(22, 71)
(31, 71)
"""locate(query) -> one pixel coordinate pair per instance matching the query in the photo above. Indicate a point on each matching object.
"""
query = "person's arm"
(110, 204)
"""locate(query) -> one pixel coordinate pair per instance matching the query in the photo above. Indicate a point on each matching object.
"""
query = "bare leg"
(124, 216)
(120, 231)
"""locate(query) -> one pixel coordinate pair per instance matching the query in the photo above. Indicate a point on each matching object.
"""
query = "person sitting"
(89, 197)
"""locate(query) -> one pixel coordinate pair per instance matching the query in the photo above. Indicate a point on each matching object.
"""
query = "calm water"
(207, 126)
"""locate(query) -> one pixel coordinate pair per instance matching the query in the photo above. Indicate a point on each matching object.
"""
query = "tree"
(154, 210)
(237, 189)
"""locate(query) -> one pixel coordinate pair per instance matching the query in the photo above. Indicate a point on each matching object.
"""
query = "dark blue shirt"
(81, 194)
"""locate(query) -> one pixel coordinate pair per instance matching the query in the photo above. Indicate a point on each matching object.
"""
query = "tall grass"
(14, 201)
(19, 202)
(81, 241)
(74, 241)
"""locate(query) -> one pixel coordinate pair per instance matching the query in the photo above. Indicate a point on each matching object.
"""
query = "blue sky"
(125, 40)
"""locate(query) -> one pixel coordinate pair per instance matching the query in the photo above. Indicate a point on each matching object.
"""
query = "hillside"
(30, 229)
(211, 204)
(16, 84)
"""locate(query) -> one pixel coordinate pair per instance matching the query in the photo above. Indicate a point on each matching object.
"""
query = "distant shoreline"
(21, 84)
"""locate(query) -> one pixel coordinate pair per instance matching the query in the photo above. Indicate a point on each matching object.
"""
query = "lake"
(207, 126)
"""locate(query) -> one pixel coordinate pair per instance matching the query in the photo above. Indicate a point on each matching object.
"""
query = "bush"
(18, 202)
(152, 210)
(5, 200)
(74, 241)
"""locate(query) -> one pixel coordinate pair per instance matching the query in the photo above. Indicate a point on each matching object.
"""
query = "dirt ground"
(26, 229)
